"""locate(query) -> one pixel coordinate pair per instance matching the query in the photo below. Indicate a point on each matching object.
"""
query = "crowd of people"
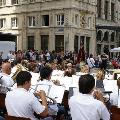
(24, 68)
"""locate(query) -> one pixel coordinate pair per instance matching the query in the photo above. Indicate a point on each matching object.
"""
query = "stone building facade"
(62, 25)
(50, 24)
(107, 25)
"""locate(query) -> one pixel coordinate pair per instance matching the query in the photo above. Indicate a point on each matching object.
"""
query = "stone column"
(19, 42)
(78, 43)
(109, 39)
(71, 39)
(51, 41)
(102, 48)
(24, 39)
(85, 43)
(93, 43)
(37, 41)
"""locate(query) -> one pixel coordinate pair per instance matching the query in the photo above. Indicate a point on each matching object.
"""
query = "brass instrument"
(19, 68)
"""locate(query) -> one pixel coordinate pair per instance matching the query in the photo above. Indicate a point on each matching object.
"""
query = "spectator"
(91, 61)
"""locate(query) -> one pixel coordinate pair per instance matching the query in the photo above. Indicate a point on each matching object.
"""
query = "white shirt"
(35, 78)
(6, 80)
(22, 103)
(85, 107)
(90, 62)
(48, 56)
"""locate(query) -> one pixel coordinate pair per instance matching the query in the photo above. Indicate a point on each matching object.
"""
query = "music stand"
(107, 92)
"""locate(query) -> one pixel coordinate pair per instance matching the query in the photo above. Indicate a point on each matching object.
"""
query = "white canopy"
(115, 49)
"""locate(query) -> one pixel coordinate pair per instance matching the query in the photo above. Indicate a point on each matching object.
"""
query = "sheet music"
(75, 80)
(57, 92)
(66, 81)
(32, 89)
(111, 85)
(52, 91)
(44, 87)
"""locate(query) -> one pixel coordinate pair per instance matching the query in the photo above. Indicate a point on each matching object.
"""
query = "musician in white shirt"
(45, 75)
(5, 79)
(22, 103)
(83, 106)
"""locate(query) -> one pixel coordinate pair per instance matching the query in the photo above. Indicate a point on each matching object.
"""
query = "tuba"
(19, 68)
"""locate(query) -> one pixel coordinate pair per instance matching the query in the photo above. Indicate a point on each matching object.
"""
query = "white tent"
(115, 49)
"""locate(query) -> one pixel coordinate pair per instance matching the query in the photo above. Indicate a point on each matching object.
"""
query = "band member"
(5, 79)
(84, 106)
(21, 103)
(45, 75)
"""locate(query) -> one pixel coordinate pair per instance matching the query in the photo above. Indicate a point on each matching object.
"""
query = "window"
(2, 2)
(60, 19)
(106, 10)
(59, 43)
(14, 22)
(44, 42)
(99, 8)
(76, 19)
(31, 21)
(45, 20)
(2, 23)
(112, 37)
(89, 22)
(14, 2)
(112, 11)
(30, 42)
(106, 36)
(76, 43)
(99, 35)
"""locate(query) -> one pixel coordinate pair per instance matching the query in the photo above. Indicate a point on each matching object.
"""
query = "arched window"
(112, 37)
(106, 36)
(99, 35)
